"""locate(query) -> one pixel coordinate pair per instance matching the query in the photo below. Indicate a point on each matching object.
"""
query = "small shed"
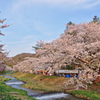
(67, 72)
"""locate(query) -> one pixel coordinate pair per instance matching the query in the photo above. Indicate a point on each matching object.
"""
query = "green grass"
(9, 93)
(5, 72)
(91, 95)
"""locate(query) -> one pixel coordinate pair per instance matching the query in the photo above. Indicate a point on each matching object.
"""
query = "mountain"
(18, 58)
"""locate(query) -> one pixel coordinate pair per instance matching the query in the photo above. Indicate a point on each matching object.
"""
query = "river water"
(38, 95)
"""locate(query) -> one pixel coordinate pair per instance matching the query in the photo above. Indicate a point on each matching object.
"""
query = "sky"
(35, 20)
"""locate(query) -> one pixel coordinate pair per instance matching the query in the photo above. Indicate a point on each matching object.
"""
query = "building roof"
(66, 71)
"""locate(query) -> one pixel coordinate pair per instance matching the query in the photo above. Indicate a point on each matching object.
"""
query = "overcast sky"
(34, 20)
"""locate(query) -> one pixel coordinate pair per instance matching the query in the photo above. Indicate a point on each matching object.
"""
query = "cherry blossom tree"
(2, 53)
(79, 42)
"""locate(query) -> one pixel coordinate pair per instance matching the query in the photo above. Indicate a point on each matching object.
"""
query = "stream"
(15, 83)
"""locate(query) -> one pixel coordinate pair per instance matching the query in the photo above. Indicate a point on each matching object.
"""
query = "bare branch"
(1, 33)
(4, 26)
(1, 21)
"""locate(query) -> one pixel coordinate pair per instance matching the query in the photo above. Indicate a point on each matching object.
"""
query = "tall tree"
(2, 53)
(96, 19)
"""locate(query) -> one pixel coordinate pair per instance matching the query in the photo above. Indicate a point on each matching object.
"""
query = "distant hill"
(18, 58)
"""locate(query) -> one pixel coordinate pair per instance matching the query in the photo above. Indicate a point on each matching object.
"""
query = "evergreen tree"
(96, 19)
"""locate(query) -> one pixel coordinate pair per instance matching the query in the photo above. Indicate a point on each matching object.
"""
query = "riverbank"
(41, 82)
(54, 83)
(9, 93)
(89, 95)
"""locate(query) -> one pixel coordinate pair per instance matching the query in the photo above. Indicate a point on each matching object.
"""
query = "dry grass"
(40, 82)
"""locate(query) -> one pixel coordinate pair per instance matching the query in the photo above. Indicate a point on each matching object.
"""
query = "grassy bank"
(40, 82)
(9, 93)
(90, 95)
